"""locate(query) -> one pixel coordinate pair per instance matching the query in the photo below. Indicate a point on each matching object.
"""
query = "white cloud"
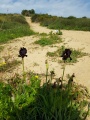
(66, 8)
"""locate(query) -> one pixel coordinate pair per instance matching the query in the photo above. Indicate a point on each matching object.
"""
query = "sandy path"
(37, 54)
(36, 27)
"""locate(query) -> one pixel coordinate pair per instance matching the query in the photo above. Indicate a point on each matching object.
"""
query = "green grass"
(47, 102)
(53, 105)
(75, 54)
(69, 23)
(49, 40)
(13, 26)
(14, 33)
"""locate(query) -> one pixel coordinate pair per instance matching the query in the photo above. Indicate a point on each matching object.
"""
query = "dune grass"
(13, 26)
(67, 23)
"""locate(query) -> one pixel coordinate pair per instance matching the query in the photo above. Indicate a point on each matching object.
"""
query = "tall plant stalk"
(46, 74)
(63, 72)
(23, 69)
(47, 67)
(22, 54)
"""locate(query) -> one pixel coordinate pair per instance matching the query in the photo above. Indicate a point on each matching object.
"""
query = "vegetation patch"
(9, 65)
(49, 40)
(46, 102)
(68, 23)
(13, 26)
(74, 55)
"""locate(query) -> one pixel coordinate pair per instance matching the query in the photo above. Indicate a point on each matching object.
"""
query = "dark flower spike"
(66, 54)
(22, 52)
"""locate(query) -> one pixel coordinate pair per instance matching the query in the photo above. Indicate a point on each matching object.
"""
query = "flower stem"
(63, 72)
(46, 74)
(47, 67)
(23, 69)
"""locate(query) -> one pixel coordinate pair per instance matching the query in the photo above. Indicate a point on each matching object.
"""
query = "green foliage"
(14, 97)
(51, 103)
(13, 26)
(84, 17)
(28, 12)
(75, 54)
(33, 18)
(71, 17)
(5, 100)
(49, 40)
(41, 18)
(70, 23)
(47, 102)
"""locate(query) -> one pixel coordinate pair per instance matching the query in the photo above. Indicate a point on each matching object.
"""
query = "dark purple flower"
(22, 52)
(66, 54)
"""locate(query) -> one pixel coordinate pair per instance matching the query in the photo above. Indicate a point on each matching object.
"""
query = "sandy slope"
(37, 54)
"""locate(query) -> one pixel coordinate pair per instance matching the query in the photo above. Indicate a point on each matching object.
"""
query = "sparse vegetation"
(9, 66)
(75, 54)
(49, 40)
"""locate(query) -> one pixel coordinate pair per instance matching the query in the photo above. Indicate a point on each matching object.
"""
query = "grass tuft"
(49, 40)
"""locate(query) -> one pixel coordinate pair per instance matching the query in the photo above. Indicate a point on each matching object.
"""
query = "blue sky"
(65, 8)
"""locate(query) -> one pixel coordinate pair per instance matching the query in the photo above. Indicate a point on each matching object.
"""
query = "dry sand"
(37, 54)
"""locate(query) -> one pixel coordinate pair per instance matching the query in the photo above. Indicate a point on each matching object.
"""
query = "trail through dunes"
(37, 54)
